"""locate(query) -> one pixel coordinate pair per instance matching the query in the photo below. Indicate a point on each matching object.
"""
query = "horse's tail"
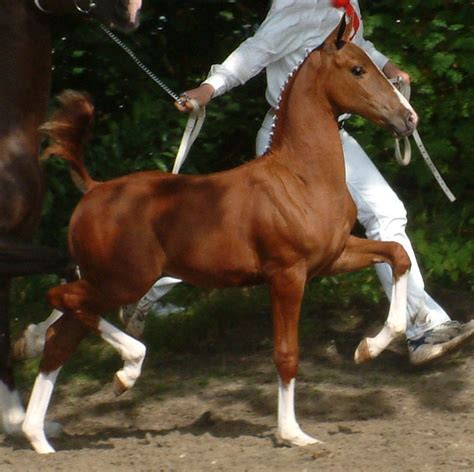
(69, 129)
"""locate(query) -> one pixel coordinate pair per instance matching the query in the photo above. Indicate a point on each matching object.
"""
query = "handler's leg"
(133, 316)
(384, 217)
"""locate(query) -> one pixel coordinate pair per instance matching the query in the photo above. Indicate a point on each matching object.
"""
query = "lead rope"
(405, 157)
(196, 117)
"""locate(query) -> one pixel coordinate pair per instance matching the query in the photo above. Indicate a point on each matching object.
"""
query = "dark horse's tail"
(69, 129)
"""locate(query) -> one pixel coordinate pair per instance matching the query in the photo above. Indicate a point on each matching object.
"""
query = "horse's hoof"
(362, 353)
(37, 439)
(300, 439)
(119, 386)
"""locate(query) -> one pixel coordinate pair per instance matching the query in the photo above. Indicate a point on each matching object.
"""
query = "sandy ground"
(219, 413)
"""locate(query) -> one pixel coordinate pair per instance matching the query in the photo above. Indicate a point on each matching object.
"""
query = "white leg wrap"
(132, 352)
(288, 428)
(12, 409)
(33, 426)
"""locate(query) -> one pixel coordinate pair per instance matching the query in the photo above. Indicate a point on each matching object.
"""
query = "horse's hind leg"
(63, 337)
(31, 341)
(360, 253)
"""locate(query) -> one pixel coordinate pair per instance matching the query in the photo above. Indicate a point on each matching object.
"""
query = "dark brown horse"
(25, 59)
(280, 219)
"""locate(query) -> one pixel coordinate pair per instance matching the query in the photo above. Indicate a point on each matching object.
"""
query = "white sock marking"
(288, 428)
(396, 322)
(33, 426)
(132, 352)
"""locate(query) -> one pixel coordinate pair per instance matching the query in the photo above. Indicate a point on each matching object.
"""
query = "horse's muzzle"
(128, 18)
(407, 125)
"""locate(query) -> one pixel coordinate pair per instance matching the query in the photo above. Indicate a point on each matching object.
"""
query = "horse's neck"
(25, 58)
(307, 133)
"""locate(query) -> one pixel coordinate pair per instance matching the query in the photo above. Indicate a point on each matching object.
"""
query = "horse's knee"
(55, 297)
(287, 364)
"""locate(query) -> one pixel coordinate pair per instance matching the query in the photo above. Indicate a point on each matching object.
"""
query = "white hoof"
(362, 353)
(38, 440)
(298, 438)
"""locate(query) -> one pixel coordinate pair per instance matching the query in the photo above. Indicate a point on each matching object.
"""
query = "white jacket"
(290, 30)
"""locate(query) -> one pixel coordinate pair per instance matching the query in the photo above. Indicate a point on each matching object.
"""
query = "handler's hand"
(392, 72)
(201, 94)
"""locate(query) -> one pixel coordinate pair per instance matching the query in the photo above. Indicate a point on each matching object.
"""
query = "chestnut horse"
(280, 219)
(25, 58)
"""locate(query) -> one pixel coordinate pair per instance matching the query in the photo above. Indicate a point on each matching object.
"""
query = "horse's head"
(354, 84)
(121, 14)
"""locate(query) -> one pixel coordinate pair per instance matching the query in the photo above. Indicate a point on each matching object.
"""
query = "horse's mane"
(280, 117)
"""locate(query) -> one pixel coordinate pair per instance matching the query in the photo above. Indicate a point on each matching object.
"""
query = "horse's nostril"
(412, 119)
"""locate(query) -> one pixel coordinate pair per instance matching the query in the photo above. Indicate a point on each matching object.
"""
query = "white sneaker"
(438, 341)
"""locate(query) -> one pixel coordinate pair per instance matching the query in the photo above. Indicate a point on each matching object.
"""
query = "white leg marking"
(394, 327)
(33, 426)
(132, 352)
(13, 412)
(288, 428)
(31, 343)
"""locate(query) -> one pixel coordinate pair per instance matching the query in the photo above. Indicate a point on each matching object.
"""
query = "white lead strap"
(196, 117)
(432, 167)
(191, 132)
(405, 157)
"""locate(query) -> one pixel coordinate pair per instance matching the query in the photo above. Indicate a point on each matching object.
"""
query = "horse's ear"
(341, 33)
(348, 29)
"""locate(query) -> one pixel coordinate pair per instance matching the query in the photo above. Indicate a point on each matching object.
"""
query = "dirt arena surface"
(218, 413)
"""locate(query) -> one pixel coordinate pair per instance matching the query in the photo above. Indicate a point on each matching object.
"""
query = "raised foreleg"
(360, 253)
(286, 290)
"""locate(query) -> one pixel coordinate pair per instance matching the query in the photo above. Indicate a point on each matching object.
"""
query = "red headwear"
(346, 4)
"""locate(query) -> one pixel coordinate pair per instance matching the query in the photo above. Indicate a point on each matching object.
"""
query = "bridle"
(85, 11)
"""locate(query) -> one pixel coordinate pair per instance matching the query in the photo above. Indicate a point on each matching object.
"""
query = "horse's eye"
(358, 71)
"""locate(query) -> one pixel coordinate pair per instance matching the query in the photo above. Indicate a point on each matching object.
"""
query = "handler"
(290, 30)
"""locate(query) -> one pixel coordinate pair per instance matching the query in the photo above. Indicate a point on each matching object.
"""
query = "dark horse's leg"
(12, 410)
(17, 259)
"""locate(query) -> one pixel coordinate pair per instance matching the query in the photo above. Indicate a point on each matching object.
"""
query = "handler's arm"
(276, 37)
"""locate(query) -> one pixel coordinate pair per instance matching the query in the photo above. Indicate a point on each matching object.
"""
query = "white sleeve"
(276, 37)
(379, 59)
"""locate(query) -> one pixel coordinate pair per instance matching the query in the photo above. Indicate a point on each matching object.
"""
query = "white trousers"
(384, 218)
